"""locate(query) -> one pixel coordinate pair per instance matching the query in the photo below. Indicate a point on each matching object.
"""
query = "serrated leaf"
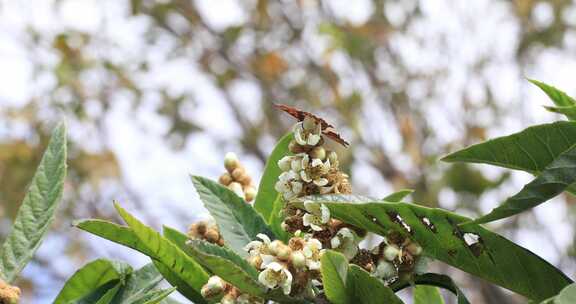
(264, 203)
(491, 256)
(553, 180)
(126, 236)
(436, 280)
(559, 98)
(334, 272)
(424, 294)
(166, 252)
(37, 210)
(366, 289)
(91, 276)
(237, 221)
(398, 196)
(227, 265)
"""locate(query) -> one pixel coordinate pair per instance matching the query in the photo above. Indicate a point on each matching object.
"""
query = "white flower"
(285, 163)
(314, 171)
(298, 259)
(312, 251)
(318, 215)
(307, 132)
(385, 270)
(346, 242)
(276, 275)
(214, 287)
(289, 185)
(258, 247)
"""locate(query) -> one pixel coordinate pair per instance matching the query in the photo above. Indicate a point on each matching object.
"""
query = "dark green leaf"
(530, 150)
(109, 295)
(140, 284)
(229, 266)
(264, 203)
(237, 221)
(37, 210)
(91, 276)
(398, 196)
(555, 178)
(433, 279)
(334, 275)
(568, 111)
(424, 294)
(559, 98)
(492, 257)
(366, 289)
(566, 296)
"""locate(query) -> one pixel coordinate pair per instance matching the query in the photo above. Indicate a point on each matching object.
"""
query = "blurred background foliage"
(404, 81)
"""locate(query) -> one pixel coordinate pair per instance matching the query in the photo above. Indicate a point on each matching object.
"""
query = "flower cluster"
(236, 178)
(395, 257)
(207, 231)
(291, 267)
(216, 287)
(312, 169)
(9, 294)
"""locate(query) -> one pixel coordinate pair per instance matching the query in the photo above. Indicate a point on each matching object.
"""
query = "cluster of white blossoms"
(291, 267)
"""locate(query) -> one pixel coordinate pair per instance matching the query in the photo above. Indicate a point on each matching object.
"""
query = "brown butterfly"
(327, 129)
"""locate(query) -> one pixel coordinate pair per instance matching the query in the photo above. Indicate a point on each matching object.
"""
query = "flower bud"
(385, 270)
(245, 180)
(236, 188)
(225, 179)
(275, 247)
(298, 259)
(255, 260)
(284, 252)
(333, 157)
(238, 173)
(318, 153)
(285, 163)
(213, 288)
(391, 252)
(231, 161)
(414, 248)
(212, 235)
(250, 193)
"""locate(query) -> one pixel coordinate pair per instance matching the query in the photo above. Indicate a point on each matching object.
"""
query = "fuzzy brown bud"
(212, 235)
(238, 173)
(245, 180)
(250, 193)
(318, 152)
(225, 179)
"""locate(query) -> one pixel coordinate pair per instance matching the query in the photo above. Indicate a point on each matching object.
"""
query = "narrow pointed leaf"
(139, 285)
(155, 296)
(568, 111)
(398, 196)
(559, 98)
(108, 297)
(125, 236)
(91, 276)
(264, 203)
(237, 221)
(366, 289)
(228, 265)
(485, 254)
(334, 275)
(166, 252)
(37, 210)
(530, 150)
(555, 178)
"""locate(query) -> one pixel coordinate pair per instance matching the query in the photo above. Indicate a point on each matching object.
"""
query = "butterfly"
(327, 129)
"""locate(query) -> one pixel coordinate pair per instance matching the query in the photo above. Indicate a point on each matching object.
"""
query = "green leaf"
(366, 289)
(276, 219)
(491, 257)
(109, 295)
(140, 284)
(568, 111)
(155, 296)
(231, 267)
(424, 294)
(433, 279)
(126, 236)
(37, 210)
(398, 196)
(530, 150)
(559, 98)
(334, 271)
(237, 221)
(566, 296)
(91, 276)
(264, 203)
(555, 178)
(166, 252)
